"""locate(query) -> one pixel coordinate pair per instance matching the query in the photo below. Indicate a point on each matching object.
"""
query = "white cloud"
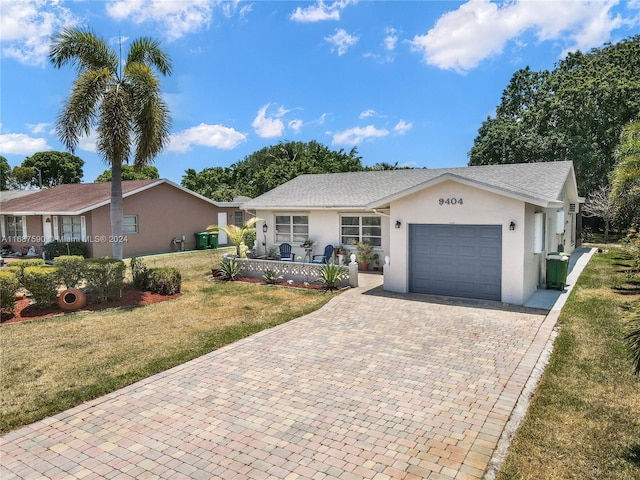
(177, 18)
(19, 143)
(391, 40)
(37, 128)
(402, 127)
(268, 126)
(26, 28)
(356, 135)
(479, 29)
(342, 41)
(368, 113)
(295, 125)
(320, 11)
(206, 135)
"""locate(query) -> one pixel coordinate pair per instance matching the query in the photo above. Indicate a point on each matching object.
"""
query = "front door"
(222, 222)
(47, 228)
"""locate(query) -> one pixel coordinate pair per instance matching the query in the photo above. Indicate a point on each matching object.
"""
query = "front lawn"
(53, 364)
(584, 419)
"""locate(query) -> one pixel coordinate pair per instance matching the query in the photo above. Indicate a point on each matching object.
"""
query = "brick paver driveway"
(369, 387)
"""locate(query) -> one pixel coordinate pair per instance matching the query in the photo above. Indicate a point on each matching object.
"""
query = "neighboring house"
(158, 214)
(477, 232)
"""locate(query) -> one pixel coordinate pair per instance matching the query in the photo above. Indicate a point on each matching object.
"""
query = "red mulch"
(130, 297)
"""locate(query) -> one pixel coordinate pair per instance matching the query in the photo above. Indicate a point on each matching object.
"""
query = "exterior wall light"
(265, 227)
(398, 223)
(512, 226)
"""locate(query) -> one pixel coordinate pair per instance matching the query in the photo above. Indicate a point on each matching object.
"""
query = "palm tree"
(122, 101)
(236, 234)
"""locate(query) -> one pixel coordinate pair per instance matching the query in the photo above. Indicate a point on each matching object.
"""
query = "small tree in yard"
(237, 235)
(600, 205)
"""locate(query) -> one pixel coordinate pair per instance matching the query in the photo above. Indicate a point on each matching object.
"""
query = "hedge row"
(165, 281)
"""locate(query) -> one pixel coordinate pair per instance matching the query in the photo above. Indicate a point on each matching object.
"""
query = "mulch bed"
(131, 297)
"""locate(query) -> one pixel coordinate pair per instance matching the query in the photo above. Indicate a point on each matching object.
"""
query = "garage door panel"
(457, 260)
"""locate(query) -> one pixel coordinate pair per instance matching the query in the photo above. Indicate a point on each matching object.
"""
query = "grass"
(53, 364)
(584, 419)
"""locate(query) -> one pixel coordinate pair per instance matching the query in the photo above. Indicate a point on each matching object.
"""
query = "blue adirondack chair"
(325, 257)
(286, 255)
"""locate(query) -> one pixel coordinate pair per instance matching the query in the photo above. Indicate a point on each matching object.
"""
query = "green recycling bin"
(557, 268)
(213, 240)
(202, 240)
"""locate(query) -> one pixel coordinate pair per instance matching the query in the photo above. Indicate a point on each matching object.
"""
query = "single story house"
(159, 216)
(478, 232)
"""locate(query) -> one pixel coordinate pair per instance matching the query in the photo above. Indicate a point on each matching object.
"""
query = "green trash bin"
(213, 240)
(557, 268)
(202, 240)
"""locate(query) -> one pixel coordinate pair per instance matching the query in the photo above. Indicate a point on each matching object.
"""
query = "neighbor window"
(361, 228)
(15, 226)
(238, 219)
(292, 228)
(71, 228)
(130, 224)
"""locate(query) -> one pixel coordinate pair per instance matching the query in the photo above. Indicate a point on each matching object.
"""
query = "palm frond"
(147, 51)
(82, 49)
(114, 125)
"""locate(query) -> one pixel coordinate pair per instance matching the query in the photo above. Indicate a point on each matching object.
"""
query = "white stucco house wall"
(477, 232)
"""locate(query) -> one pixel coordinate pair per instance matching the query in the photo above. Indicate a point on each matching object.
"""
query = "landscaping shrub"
(56, 249)
(42, 282)
(271, 277)
(19, 266)
(330, 275)
(230, 269)
(72, 269)
(9, 286)
(165, 281)
(139, 273)
(105, 277)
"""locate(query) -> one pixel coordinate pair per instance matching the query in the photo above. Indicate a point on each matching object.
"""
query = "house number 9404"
(450, 201)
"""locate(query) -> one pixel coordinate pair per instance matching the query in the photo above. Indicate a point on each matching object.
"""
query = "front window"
(292, 228)
(130, 224)
(15, 226)
(238, 219)
(361, 228)
(71, 229)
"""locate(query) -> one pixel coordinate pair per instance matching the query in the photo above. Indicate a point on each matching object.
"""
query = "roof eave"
(386, 201)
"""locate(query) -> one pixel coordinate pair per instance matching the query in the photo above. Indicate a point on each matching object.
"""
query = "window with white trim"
(361, 228)
(292, 228)
(71, 228)
(129, 224)
(16, 226)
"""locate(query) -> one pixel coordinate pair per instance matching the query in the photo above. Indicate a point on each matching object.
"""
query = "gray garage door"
(456, 260)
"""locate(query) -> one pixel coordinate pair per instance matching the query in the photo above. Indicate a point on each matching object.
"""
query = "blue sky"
(407, 82)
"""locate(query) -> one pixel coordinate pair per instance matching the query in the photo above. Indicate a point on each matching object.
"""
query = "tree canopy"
(5, 172)
(131, 172)
(118, 97)
(575, 112)
(269, 167)
(56, 168)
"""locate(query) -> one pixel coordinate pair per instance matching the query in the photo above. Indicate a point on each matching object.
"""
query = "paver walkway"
(369, 387)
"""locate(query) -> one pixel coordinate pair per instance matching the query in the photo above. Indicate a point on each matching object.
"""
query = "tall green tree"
(269, 167)
(131, 172)
(5, 173)
(120, 99)
(574, 112)
(55, 168)
(625, 178)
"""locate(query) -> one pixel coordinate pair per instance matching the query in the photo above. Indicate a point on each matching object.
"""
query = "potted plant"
(364, 255)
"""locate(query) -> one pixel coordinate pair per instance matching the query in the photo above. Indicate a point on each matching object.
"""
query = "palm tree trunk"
(117, 209)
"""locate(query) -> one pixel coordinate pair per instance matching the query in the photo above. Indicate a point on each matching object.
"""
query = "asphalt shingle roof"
(69, 198)
(538, 181)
